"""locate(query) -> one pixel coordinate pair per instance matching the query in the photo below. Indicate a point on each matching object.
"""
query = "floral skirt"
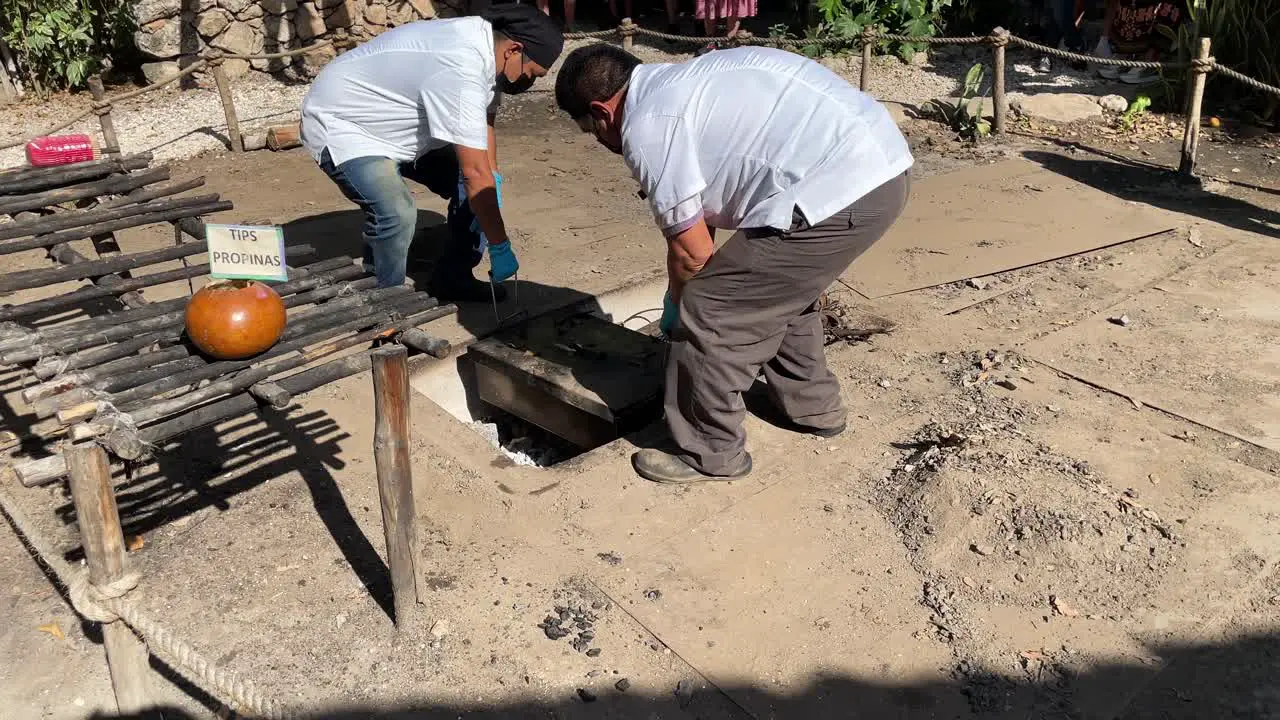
(1138, 22)
(718, 9)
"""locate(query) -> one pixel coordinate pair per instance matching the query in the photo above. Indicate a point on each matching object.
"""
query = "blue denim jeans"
(377, 185)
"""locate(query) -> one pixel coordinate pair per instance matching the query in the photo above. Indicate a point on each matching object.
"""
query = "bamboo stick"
(25, 279)
(171, 321)
(296, 337)
(52, 468)
(89, 293)
(114, 185)
(100, 376)
(65, 254)
(50, 367)
(36, 179)
(142, 215)
(154, 192)
(92, 217)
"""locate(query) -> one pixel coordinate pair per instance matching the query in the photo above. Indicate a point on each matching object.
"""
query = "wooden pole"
(1001, 110)
(228, 106)
(868, 40)
(628, 31)
(103, 542)
(284, 137)
(1191, 134)
(109, 139)
(395, 477)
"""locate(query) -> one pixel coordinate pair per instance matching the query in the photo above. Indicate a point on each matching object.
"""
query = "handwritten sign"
(246, 252)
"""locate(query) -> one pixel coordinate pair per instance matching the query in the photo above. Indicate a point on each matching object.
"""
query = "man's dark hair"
(592, 74)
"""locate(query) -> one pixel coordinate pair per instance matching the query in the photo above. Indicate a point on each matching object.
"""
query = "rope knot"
(627, 28)
(214, 57)
(998, 37)
(88, 598)
(101, 107)
(1203, 65)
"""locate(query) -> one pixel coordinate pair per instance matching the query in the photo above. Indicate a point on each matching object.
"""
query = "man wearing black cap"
(418, 102)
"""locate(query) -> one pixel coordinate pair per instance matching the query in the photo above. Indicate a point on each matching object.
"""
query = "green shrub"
(60, 43)
(847, 18)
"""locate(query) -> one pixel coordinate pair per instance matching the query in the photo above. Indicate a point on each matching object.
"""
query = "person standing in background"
(710, 12)
(569, 9)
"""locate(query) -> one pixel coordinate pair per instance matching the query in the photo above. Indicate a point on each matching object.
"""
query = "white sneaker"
(1103, 50)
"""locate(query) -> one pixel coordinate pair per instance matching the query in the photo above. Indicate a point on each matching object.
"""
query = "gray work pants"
(753, 306)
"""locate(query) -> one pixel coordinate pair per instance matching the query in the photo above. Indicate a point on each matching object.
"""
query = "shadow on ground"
(1231, 680)
(1159, 187)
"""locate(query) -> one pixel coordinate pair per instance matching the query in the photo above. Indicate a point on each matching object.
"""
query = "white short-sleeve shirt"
(408, 91)
(743, 137)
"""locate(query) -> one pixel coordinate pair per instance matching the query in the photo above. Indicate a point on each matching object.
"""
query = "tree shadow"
(199, 474)
(339, 232)
(1160, 187)
(1235, 679)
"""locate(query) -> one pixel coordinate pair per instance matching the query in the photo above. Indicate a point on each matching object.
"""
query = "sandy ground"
(991, 539)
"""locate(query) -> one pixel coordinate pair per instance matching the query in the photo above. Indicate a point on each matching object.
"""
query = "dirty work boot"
(662, 467)
(464, 287)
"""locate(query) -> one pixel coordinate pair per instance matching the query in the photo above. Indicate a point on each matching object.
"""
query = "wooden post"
(103, 540)
(228, 105)
(628, 31)
(109, 140)
(868, 37)
(395, 478)
(1191, 134)
(1000, 37)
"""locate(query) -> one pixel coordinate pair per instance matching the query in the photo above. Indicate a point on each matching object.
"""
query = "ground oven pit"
(560, 384)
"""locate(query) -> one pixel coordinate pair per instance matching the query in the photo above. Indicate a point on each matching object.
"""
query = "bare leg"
(627, 5)
(613, 8)
(545, 6)
(568, 12)
(673, 12)
(732, 25)
(709, 26)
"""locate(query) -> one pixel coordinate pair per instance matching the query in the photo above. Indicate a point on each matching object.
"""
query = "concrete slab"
(574, 374)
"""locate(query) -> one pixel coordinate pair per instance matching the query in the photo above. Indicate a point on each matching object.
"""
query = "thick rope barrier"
(1094, 59)
(108, 603)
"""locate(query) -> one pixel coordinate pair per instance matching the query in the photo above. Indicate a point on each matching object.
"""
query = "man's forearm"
(687, 252)
(493, 147)
(482, 194)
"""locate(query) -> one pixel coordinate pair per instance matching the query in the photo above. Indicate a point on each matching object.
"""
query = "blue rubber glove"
(670, 315)
(502, 261)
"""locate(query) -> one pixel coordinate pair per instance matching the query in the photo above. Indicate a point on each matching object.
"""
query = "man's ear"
(600, 112)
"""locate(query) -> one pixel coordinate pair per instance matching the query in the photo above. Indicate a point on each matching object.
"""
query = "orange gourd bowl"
(235, 319)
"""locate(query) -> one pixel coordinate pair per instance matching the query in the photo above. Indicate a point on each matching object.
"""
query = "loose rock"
(1114, 103)
(1121, 320)
(623, 685)
(983, 550)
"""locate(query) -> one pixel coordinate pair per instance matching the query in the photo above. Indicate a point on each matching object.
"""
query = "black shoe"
(761, 405)
(454, 287)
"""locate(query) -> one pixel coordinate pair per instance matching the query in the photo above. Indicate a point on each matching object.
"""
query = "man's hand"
(687, 252)
(502, 262)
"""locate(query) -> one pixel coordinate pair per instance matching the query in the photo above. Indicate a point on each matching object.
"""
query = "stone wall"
(173, 33)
